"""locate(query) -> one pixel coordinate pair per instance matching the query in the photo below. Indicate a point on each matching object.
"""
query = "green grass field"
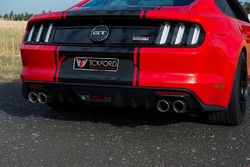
(11, 33)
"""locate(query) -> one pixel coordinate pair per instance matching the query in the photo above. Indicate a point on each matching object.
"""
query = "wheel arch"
(244, 50)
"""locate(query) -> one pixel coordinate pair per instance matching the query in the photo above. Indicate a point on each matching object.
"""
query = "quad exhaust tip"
(180, 106)
(42, 98)
(163, 106)
(32, 96)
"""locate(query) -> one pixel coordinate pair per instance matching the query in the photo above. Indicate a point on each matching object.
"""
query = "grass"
(11, 33)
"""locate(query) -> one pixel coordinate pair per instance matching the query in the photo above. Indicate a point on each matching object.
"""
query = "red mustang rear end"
(172, 55)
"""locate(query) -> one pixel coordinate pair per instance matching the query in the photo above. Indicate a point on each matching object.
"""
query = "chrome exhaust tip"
(163, 106)
(180, 106)
(32, 96)
(42, 98)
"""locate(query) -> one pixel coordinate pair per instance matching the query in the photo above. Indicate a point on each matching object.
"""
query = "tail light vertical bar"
(48, 33)
(165, 34)
(38, 37)
(196, 35)
(180, 33)
(31, 34)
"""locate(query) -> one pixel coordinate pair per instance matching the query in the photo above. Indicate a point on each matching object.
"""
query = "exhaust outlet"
(163, 106)
(180, 106)
(42, 98)
(32, 96)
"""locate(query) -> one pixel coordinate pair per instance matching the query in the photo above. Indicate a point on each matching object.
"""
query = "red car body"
(205, 72)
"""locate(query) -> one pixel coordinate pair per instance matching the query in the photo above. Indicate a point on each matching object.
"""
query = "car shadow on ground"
(12, 103)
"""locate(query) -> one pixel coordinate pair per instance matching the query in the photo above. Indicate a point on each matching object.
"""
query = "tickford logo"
(80, 63)
(99, 33)
(96, 64)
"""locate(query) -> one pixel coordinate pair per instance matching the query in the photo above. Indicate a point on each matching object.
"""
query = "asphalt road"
(34, 135)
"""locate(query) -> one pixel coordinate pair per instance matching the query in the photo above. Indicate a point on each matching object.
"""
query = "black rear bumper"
(118, 96)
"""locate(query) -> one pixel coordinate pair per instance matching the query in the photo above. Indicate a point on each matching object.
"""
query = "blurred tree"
(20, 16)
(247, 7)
(5, 16)
(11, 15)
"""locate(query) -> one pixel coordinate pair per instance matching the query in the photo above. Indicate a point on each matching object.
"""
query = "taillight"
(39, 33)
(180, 34)
(166, 34)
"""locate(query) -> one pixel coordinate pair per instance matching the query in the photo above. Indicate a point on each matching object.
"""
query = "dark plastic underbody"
(118, 96)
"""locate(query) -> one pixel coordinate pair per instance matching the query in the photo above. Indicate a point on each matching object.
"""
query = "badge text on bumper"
(96, 64)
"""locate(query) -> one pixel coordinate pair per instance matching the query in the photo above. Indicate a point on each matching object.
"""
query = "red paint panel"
(77, 6)
(169, 13)
(38, 63)
(142, 14)
(46, 17)
(188, 68)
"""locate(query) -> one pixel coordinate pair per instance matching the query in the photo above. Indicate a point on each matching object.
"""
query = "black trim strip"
(100, 14)
(144, 14)
(56, 62)
(138, 66)
(108, 52)
(55, 55)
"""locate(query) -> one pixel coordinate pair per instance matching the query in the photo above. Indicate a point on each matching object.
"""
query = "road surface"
(34, 135)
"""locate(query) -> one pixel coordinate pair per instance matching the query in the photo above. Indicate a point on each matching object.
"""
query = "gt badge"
(96, 64)
(99, 33)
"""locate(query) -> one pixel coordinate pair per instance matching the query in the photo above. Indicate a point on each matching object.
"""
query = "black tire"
(235, 113)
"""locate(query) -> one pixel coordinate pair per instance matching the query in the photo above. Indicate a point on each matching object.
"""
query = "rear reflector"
(96, 98)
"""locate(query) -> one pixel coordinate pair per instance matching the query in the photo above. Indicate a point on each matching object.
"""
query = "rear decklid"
(115, 59)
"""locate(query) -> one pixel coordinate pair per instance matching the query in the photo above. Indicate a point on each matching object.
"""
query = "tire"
(235, 113)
